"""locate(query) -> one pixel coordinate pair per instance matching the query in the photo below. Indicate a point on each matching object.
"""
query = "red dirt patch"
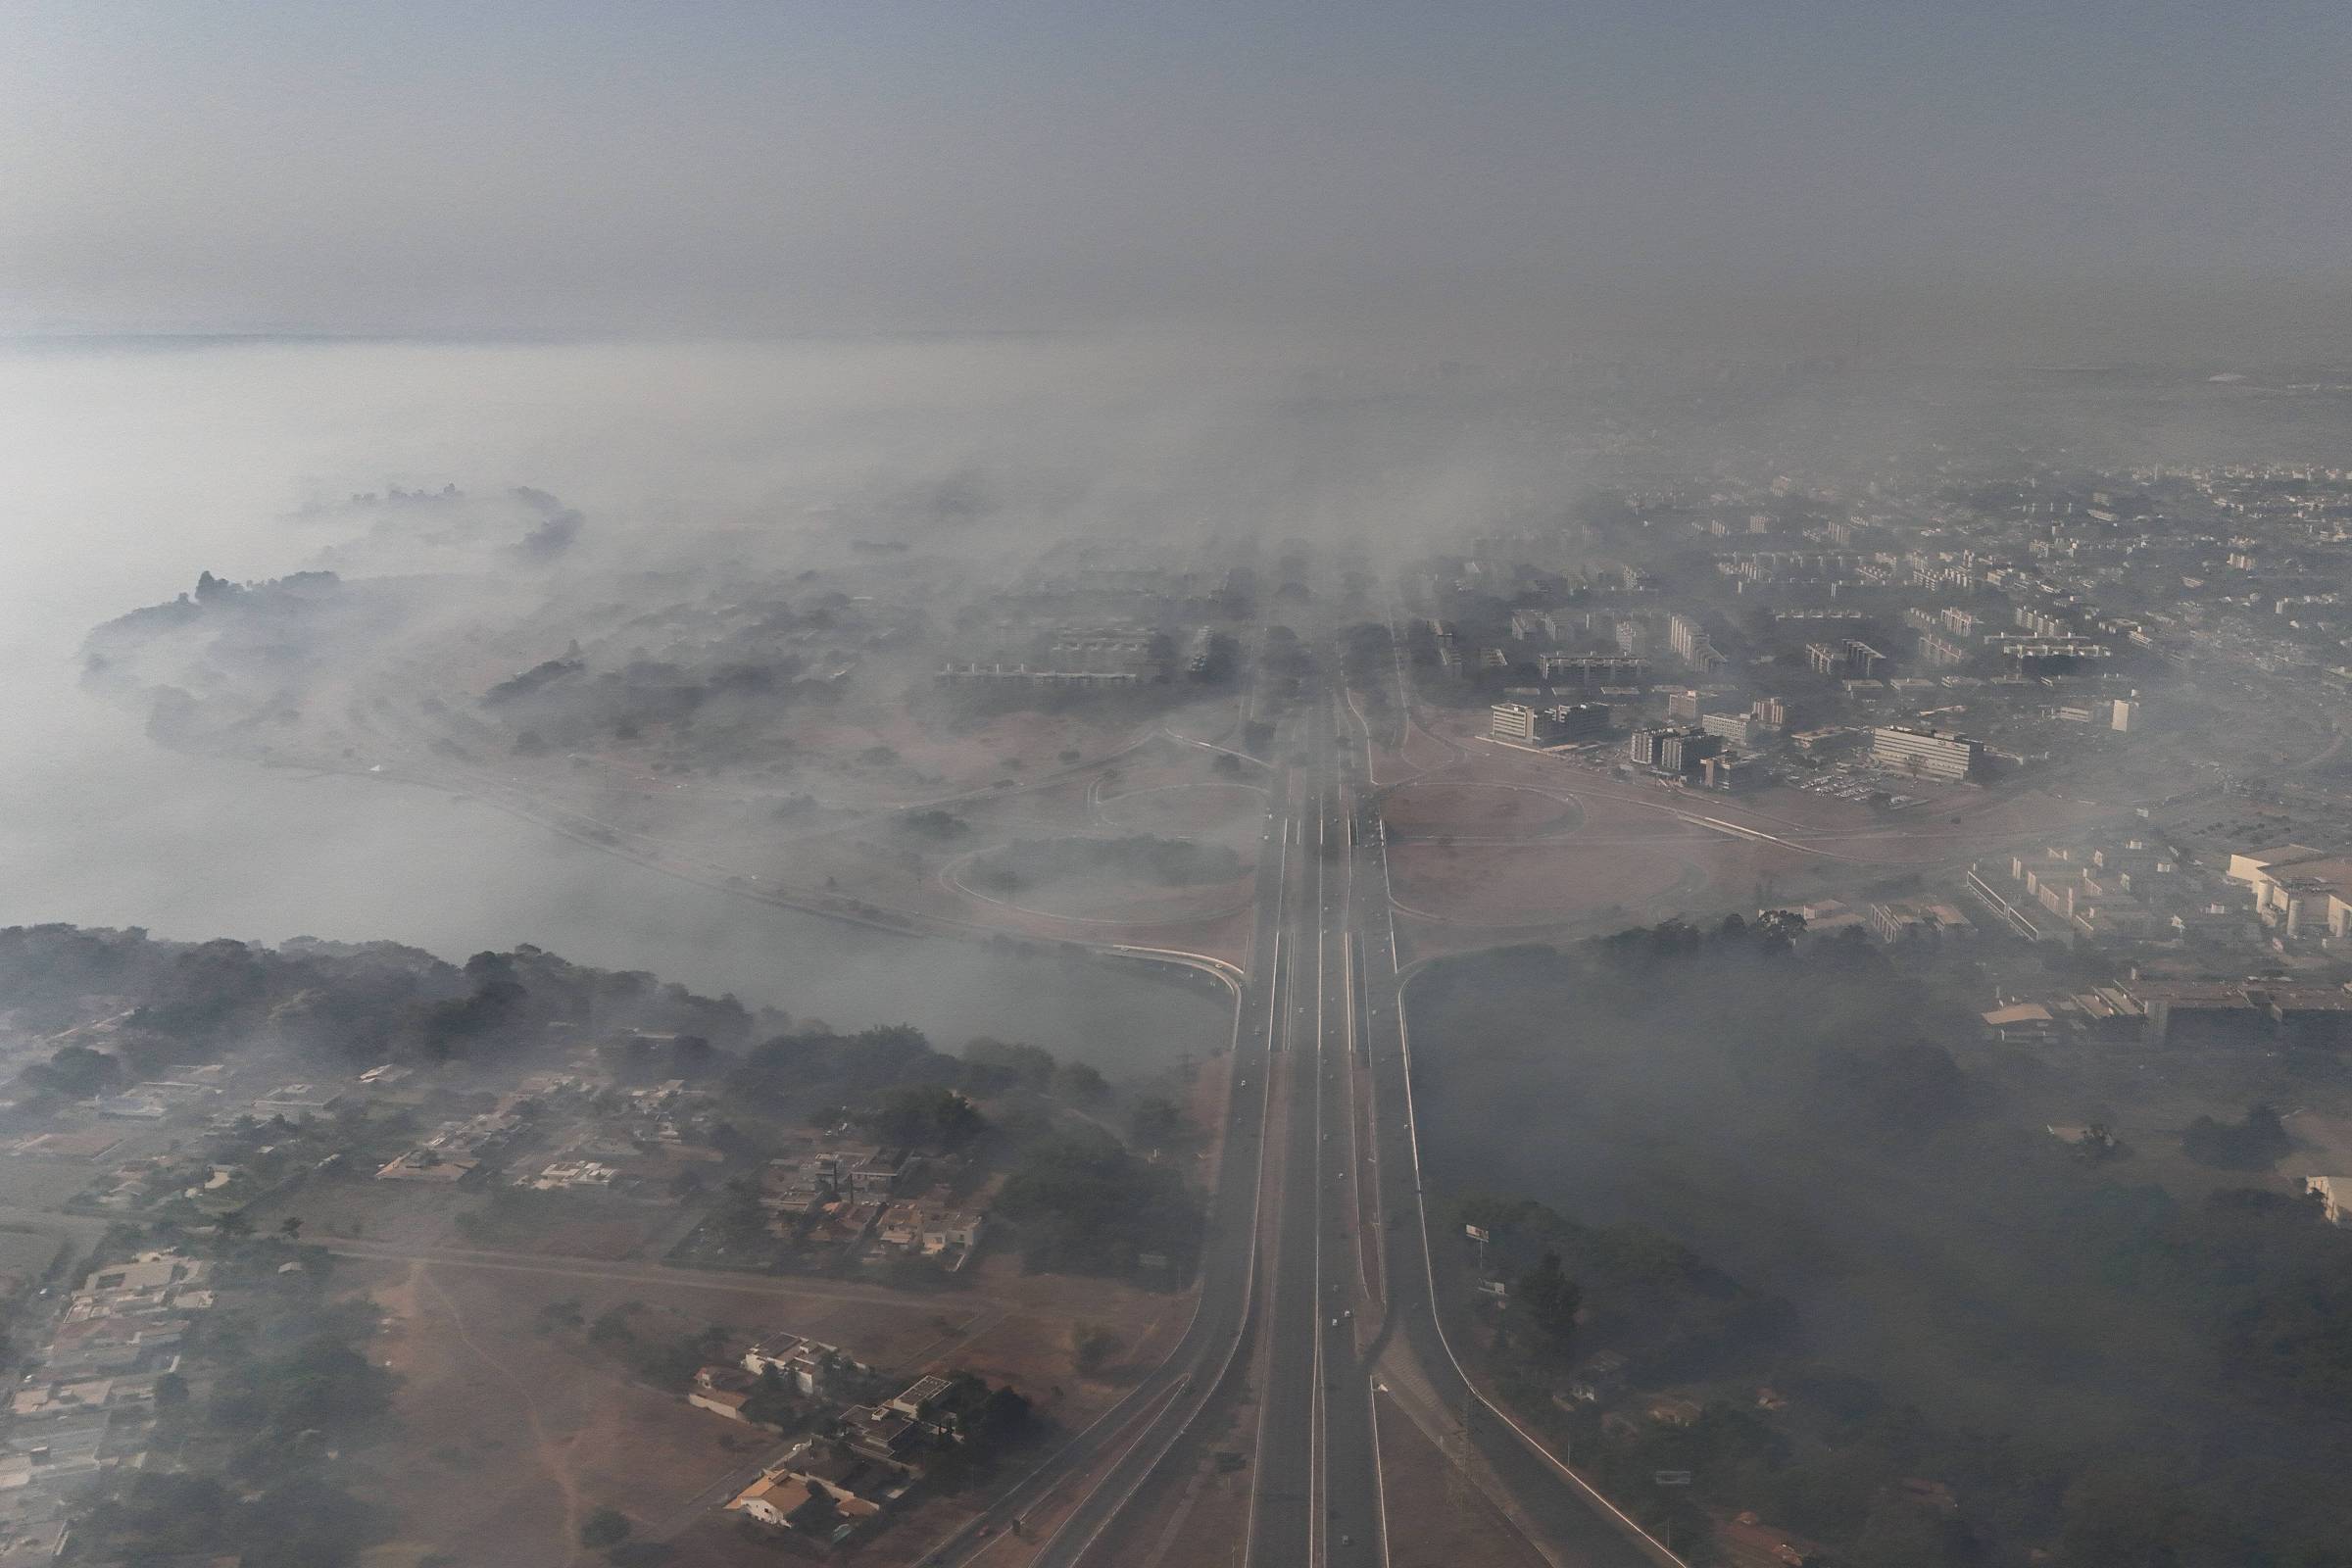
(1475, 806)
(1229, 812)
(1510, 885)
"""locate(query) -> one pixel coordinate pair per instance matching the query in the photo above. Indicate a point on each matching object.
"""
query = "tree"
(77, 1072)
(563, 1313)
(1156, 1121)
(233, 1225)
(1092, 1346)
(1079, 1083)
(1552, 1300)
(995, 1064)
(290, 1227)
(926, 1115)
(606, 1527)
(2255, 1143)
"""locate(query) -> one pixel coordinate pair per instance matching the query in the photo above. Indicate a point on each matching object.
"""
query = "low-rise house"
(722, 1391)
(296, 1099)
(923, 1398)
(569, 1174)
(819, 1491)
(2028, 1023)
(148, 1271)
(955, 1229)
(773, 1499)
(901, 1226)
(425, 1165)
(880, 1173)
(885, 1434)
(808, 1365)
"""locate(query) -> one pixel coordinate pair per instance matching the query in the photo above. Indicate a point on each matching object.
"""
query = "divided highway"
(1286, 1253)
(1577, 1525)
(1137, 1433)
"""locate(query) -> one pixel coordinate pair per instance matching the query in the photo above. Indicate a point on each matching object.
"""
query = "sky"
(706, 167)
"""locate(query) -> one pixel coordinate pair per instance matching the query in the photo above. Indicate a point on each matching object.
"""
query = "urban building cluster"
(84, 1404)
(1910, 630)
(845, 1201)
(863, 1462)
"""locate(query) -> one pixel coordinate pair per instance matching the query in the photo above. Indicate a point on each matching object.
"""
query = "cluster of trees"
(1630, 1289)
(731, 705)
(1084, 1203)
(668, 1360)
(932, 827)
(2257, 1142)
(350, 1004)
(922, 1116)
(2112, 1374)
(195, 1516)
(893, 1071)
(277, 1381)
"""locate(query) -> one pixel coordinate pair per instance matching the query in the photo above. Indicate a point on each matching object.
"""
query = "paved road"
(1136, 1435)
(1320, 1010)
(1316, 1493)
(1578, 1526)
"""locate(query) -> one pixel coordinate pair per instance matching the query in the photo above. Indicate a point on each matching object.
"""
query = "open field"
(25, 1254)
(357, 1207)
(1222, 811)
(1475, 806)
(1438, 1519)
(1518, 885)
(514, 1432)
(1106, 900)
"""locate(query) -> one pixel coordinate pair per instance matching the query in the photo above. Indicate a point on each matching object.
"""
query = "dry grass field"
(512, 1431)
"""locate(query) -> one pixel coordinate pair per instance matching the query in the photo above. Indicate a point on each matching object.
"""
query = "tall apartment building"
(1941, 652)
(1684, 704)
(1589, 670)
(1515, 722)
(1580, 721)
(1682, 751)
(1675, 751)
(1848, 659)
(1736, 729)
(1724, 773)
(1690, 642)
(1544, 726)
(1927, 753)
(1768, 713)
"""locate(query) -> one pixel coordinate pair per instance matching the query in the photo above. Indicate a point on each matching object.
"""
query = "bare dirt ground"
(1198, 1519)
(1108, 902)
(513, 1431)
(1476, 858)
(1222, 811)
(1493, 886)
(1476, 805)
(1437, 1520)
(360, 1209)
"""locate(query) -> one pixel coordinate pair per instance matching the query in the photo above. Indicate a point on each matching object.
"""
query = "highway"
(1300, 1302)
(1317, 1495)
(1575, 1525)
(1130, 1439)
